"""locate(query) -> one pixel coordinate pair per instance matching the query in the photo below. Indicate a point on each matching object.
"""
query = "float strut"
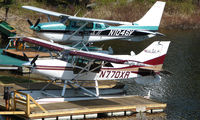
(64, 88)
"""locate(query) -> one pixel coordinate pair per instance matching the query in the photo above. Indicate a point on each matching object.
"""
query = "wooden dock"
(125, 105)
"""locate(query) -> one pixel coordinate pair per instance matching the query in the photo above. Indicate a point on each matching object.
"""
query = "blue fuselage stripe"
(60, 26)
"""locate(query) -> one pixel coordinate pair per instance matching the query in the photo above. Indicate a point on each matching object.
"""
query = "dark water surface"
(181, 91)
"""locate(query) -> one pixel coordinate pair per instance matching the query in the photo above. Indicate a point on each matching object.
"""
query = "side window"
(89, 26)
(98, 26)
(73, 24)
(67, 23)
(77, 24)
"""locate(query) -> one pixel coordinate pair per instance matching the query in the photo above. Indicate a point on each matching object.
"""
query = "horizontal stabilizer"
(149, 32)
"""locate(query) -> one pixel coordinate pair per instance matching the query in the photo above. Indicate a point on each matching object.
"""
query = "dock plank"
(96, 106)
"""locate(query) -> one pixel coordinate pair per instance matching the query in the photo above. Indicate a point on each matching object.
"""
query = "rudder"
(154, 54)
(153, 16)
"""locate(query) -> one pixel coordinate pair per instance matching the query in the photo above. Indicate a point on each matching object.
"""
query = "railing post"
(38, 105)
(14, 101)
(27, 104)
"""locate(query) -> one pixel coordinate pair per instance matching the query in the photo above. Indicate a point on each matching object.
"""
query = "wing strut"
(77, 31)
(81, 42)
(48, 17)
(64, 88)
(97, 87)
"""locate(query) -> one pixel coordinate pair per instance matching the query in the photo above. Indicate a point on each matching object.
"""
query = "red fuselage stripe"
(156, 61)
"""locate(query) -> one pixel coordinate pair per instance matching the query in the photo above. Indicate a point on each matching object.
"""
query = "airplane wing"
(99, 20)
(74, 51)
(47, 12)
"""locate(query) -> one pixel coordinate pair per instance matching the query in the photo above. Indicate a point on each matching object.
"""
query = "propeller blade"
(37, 22)
(34, 59)
(25, 57)
(29, 22)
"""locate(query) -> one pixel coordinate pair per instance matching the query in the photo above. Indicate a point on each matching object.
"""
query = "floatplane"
(73, 29)
(75, 64)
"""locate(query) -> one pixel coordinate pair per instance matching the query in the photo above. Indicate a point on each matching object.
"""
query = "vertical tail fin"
(153, 16)
(154, 54)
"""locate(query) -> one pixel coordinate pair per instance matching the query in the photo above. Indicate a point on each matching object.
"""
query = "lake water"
(181, 91)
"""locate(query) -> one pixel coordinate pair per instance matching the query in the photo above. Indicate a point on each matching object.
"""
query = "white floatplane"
(83, 65)
(73, 29)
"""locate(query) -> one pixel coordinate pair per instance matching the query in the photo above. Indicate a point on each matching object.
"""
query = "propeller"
(32, 63)
(31, 24)
(34, 59)
(37, 22)
(25, 57)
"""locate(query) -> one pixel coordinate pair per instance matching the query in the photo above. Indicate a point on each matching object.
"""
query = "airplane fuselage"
(84, 65)
(93, 32)
(65, 71)
(69, 29)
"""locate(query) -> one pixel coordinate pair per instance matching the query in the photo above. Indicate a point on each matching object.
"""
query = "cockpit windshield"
(106, 26)
(101, 26)
(98, 26)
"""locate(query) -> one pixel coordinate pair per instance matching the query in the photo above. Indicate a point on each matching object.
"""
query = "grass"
(182, 8)
(178, 13)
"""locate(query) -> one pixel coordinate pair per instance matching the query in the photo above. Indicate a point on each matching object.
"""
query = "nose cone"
(35, 28)
(27, 64)
(28, 68)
